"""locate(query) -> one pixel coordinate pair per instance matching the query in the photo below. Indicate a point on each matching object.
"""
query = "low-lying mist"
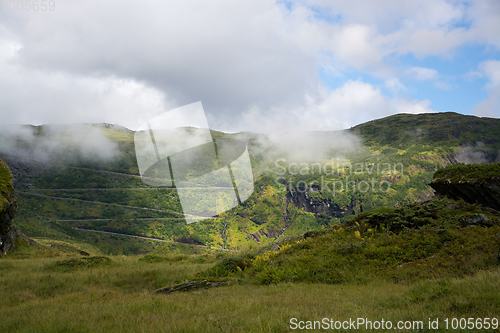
(306, 147)
(47, 143)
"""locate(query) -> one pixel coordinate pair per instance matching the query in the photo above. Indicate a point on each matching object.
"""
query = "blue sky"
(259, 66)
(454, 88)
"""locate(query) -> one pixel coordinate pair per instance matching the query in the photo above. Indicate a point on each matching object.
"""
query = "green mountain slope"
(82, 183)
(437, 239)
(448, 129)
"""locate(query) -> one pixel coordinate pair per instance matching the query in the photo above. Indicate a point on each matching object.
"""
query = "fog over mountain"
(45, 143)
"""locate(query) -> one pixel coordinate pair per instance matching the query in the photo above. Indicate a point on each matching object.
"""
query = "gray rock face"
(486, 194)
(476, 220)
(302, 199)
(11, 239)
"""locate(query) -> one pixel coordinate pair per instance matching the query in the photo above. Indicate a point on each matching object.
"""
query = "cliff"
(8, 208)
(303, 198)
(474, 183)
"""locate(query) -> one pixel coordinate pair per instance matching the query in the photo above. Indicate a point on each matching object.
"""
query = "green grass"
(118, 298)
(412, 263)
(73, 264)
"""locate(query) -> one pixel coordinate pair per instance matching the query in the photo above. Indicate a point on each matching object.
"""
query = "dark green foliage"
(418, 241)
(69, 265)
(437, 214)
(229, 266)
(151, 258)
(6, 188)
(476, 173)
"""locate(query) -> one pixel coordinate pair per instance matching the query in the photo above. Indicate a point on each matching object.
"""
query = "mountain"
(446, 129)
(81, 183)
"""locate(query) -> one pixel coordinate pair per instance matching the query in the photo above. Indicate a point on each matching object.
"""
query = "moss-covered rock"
(476, 183)
(8, 207)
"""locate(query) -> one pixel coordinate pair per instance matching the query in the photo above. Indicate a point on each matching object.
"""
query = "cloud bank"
(254, 64)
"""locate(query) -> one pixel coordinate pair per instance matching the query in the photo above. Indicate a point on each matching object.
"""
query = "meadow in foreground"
(50, 293)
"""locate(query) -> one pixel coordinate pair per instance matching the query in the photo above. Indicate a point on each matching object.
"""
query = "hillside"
(437, 239)
(426, 261)
(81, 183)
(446, 129)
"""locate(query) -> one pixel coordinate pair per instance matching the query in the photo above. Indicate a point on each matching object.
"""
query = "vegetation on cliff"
(477, 183)
(428, 240)
(473, 173)
(6, 188)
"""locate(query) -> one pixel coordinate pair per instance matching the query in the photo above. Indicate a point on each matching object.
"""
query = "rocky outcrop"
(265, 232)
(23, 168)
(12, 239)
(305, 199)
(456, 184)
(476, 220)
(8, 209)
(486, 194)
(9, 235)
(192, 285)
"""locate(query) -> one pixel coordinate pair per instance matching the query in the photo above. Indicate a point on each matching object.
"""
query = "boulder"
(476, 220)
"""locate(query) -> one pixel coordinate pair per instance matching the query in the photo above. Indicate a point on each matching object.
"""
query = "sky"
(260, 66)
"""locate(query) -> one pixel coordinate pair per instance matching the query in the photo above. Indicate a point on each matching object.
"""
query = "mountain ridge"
(76, 190)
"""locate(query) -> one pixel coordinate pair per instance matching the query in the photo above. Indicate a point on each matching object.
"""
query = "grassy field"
(48, 291)
(411, 266)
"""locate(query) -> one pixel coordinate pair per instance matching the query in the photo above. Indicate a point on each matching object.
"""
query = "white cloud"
(491, 69)
(422, 28)
(228, 55)
(123, 61)
(490, 107)
(394, 84)
(354, 45)
(472, 75)
(421, 73)
(485, 24)
(36, 97)
(401, 105)
(353, 103)
(443, 85)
